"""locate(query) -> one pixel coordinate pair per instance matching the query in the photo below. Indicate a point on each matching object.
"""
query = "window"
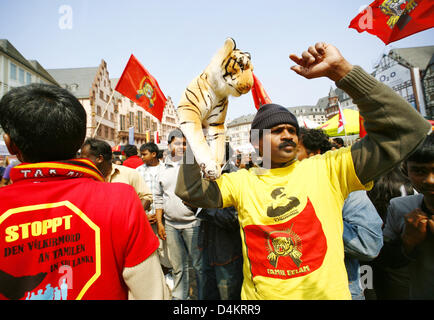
(131, 119)
(13, 72)
(21, 75)
(28, 78)
(140, 121)
(98, 110)
(122, 122)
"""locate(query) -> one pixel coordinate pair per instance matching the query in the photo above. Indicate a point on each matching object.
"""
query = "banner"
(341, 121)
(391, 20)
(260, 97)
(131, 135)
(137, 84)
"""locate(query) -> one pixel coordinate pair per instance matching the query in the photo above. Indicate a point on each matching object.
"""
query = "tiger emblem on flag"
(397, 8)
(204, 103)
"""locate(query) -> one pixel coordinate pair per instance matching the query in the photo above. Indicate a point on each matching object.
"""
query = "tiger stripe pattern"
(203, 106)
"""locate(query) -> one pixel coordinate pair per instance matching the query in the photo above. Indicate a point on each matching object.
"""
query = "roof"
(323, 102)
(247, 119)
(114, 83)
(8, 49)
(82, 78)
(418, 57)
(39, 69)
(306, 107)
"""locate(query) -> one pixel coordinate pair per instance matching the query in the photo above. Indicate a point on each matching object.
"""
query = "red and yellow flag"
(392, 20)
(260, 97)
(137, 84)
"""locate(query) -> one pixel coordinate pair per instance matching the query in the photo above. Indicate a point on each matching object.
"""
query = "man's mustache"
(287, 143)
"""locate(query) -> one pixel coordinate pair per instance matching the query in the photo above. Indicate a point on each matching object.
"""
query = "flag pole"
(102, 116)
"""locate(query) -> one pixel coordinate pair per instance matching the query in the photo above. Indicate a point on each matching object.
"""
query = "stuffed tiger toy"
(204, 104)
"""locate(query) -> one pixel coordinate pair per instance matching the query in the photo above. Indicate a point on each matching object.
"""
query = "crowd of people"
(304, 217)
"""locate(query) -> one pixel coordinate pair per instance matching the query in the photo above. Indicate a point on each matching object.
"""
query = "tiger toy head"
(204, 104)
(231, 70)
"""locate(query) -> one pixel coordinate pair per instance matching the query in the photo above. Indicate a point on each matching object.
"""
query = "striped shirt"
(151, 175)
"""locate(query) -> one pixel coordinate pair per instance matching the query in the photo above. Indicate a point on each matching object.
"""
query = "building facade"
(408, 71)
(168, 123)
(428, 84)
(111, 116)
(337, 97)
(92, 87)
(146, 127)
(309, 114)
(238, 132)
(16, 71)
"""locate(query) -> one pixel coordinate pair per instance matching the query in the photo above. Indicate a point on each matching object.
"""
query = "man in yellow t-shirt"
(290, 212)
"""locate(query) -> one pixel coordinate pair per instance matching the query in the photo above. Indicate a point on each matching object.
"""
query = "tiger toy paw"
(211, 170)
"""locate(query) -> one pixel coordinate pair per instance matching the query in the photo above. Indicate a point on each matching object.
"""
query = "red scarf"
(64, 169)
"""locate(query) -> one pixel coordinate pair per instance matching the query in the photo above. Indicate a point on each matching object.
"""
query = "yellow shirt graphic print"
(291, 226)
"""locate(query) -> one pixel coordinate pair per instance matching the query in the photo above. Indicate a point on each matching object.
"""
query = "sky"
(175, 40)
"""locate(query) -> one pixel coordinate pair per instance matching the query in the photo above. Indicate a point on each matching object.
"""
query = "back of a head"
(45, 122)
(339, 141)
(99, 147)
(315, 139)
(425, 152)
(130, 150)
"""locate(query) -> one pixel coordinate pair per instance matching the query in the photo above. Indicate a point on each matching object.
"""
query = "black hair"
(150, 146)
(388, 186)
(425, 152)
(339, 141)
(45, 122)
(174, 134)
(117, 159)
(99, 147)
(315, 139)
(130, 150)
(160, 154)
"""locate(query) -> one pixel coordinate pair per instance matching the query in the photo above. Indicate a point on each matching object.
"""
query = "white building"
(314, 114)
(16, 71)
(405, 71)
(238, 132)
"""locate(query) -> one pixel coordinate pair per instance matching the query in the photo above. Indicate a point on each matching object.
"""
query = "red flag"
(362, 130)
(137, 84)
(391, 20)
(260, 97)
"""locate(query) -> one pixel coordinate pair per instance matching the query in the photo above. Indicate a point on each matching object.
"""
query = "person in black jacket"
(220, 240)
